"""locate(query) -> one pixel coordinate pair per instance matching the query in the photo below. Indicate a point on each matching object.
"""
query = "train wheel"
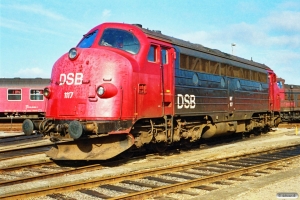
(256, 131)
(160, 147)
(27, 127)
(127, 154)
(186, 143)
(266, 129)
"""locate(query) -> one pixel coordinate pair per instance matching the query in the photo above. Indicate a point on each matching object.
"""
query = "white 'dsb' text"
(186, 101)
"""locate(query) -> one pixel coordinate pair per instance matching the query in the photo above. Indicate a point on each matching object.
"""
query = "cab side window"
(164, 56)
(152, 54)
(279, 83)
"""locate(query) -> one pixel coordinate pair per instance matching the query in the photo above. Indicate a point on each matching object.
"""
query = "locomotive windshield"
(88, 40)
(120, 39)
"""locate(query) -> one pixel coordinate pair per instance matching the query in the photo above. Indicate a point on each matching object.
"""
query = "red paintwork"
(128, 73)
(274, 92)
(289, 103)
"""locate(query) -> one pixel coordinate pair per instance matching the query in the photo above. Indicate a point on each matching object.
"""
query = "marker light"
(47, 92)
(73, 54)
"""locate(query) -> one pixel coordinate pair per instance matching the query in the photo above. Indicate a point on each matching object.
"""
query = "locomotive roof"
(198, 47)
(24, 82)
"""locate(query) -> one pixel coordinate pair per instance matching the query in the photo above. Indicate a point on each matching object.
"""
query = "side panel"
(199, 93)
(205, 87)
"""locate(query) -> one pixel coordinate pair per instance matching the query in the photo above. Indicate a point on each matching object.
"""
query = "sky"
(35, 33)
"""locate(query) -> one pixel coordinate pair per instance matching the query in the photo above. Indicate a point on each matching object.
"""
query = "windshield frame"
(120, 39)
(88, 40)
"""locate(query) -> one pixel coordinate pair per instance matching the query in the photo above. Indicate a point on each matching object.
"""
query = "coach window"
(164, 56)
(14, 94)
(152, 53)
(36, 95)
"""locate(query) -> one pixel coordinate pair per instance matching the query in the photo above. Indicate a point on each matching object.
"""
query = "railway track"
(13, 146)
(156, 182)
(42, 170)
(19, 153)
(289, 125)
(10, 126)
(7, 152)
(6, 140)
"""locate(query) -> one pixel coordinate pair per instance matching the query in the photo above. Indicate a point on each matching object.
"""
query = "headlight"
(100, 91)
(47, 92)
(106, 90)
(73, 54)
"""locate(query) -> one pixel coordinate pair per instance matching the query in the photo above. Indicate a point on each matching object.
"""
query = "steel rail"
(17, 167)
(22, 147)
(20, 156)
(199, 181)
(52, 174)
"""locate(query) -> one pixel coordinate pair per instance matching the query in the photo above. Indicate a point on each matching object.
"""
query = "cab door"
(155, 83)
(167, 60)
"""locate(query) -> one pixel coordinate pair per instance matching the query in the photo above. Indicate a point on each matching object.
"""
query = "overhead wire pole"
(232, 45)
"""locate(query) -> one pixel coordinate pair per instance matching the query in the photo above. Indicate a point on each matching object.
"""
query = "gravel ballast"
(273, 140)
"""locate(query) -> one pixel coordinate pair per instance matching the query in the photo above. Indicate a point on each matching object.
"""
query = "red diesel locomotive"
(22, 98)
(125, 87)
(290, 101)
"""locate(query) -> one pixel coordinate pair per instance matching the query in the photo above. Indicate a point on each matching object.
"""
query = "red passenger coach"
(123, 88)
(22, 98)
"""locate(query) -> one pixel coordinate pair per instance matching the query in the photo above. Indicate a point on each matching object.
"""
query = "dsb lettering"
(71, 79)
(186, 101)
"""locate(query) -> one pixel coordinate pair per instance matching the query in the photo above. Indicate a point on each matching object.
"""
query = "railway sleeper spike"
(99, 148)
